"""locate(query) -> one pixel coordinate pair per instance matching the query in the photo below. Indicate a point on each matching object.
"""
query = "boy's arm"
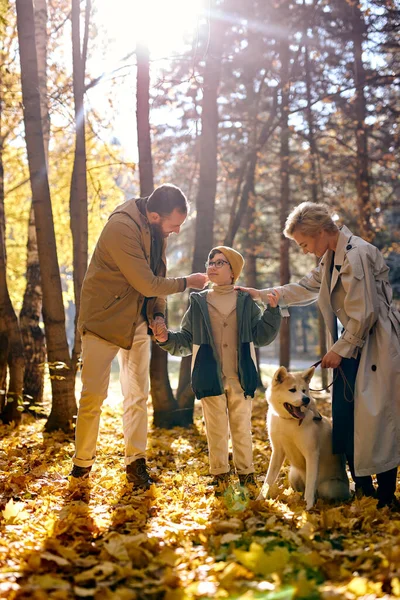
(265, 326)
(180, 343)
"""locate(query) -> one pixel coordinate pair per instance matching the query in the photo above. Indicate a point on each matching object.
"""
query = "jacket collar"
(201, 299)
(131, 209)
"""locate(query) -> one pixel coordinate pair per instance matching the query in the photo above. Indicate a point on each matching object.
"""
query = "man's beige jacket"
(119, 278)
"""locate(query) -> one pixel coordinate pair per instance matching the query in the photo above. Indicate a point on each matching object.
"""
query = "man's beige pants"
(229, 412)
(97, 356)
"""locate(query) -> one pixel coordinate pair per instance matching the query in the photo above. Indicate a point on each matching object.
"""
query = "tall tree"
(314, 183)
(31, 311)
(358, 30)
(10, 335)
(61, 374)
(207, 186)
(284, 56)
(163, 399)
(78, 191)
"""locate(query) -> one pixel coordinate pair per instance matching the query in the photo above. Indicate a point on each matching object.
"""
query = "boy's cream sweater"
(221, 302)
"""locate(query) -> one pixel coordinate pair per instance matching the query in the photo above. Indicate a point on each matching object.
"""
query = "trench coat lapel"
(342, 247)
(324, 300)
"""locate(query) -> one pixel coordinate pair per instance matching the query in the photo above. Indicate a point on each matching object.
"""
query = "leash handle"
(316, 364)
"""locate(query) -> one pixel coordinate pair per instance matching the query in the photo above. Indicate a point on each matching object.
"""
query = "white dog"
(299, 433)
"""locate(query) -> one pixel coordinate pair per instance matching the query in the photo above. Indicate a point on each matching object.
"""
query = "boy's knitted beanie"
(234, 258)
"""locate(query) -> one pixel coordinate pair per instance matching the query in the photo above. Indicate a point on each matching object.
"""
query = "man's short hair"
(165, 199)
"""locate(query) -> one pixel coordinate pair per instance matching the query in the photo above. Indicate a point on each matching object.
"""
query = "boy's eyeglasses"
(216, 263)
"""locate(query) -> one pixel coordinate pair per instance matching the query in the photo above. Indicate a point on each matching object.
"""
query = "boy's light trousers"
(224, 414)
(97, 356)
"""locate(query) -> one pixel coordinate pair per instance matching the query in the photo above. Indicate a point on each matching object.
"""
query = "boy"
(220, 329)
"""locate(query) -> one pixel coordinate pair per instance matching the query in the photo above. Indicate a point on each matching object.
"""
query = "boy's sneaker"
(80, 472)
(220, 483)
(248, 481)
(137, 473)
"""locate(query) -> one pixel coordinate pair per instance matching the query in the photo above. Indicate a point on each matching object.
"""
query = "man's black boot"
(80, 472)
(138, 474)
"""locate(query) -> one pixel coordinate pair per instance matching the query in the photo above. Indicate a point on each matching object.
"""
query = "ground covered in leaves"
(178, 540)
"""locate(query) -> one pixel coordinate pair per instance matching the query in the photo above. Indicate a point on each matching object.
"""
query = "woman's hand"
(255, 294)
(159, 329)
(273, 298)
(331, 360)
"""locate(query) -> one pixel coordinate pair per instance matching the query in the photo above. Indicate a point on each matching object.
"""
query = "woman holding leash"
(352, 289)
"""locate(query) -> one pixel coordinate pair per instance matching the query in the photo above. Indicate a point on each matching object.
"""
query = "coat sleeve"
(122, 242)
(361, 303)
(160, 306)
(298, 294)
(265, 325)
(180, 343)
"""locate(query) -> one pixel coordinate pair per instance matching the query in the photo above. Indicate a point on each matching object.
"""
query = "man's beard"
(157, 230)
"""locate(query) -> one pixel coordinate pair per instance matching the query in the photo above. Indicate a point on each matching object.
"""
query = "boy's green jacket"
(255, 328)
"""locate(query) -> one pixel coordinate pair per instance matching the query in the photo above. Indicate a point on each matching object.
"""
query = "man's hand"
(331, 359)
(159, 329)
(197, 281)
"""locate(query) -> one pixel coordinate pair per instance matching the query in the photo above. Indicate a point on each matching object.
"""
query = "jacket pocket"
(247, 370)
(205, 379)
(116, 297)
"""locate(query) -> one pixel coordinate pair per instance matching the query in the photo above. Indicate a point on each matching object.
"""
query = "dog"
(299, 433)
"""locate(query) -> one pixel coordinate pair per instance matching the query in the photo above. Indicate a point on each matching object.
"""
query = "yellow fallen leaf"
(358, 586)
(99, 572)
(263, 563)
(49, 582)
(14, 512)
(59, 560)
(115, 547)
(168, 557)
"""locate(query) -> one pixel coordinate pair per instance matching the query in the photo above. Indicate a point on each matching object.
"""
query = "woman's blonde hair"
(309, 218)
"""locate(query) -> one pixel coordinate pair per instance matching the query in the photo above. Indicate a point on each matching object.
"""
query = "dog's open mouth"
(294, 411)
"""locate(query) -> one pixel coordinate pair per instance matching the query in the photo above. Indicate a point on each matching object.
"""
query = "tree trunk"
(143, 120)
(164, 403)
(363, 179)
(251, 265)
(78, 191)
(314, 192)
(32, 334)
(284, 348)
(3, 362)
(205, 200)
(15, 356)
(61, 374)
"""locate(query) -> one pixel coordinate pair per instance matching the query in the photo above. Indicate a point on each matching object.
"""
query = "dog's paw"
(264, 492)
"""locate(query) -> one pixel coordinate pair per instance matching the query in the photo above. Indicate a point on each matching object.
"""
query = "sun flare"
(162, 25)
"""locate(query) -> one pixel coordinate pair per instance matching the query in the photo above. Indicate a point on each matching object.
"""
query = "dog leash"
(339, 371)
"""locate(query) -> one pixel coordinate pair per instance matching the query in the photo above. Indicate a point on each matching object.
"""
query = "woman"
(352, 289)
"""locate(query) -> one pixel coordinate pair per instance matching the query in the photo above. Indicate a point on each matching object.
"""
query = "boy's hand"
(160, 330)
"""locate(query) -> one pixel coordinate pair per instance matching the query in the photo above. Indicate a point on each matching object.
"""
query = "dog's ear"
(280, 375)
(308, 374)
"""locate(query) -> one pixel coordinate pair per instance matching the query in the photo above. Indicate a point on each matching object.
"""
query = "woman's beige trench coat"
(358, 293)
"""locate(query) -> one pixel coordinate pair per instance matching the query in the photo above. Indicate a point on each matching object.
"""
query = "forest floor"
(178, 541)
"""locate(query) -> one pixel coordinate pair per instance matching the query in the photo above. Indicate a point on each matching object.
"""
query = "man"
(122, 294)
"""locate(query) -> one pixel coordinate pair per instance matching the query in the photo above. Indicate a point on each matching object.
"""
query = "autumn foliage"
(179, 540)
